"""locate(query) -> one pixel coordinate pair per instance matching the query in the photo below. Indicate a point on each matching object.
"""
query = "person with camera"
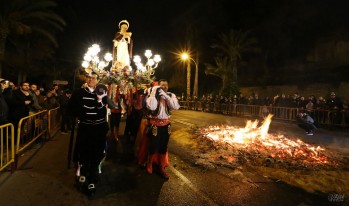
(88, 104)
(306, 122)
(160, 103)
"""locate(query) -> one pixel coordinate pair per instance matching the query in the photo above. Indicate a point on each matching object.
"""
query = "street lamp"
(92, 61)
(186, 57)
(147, 70)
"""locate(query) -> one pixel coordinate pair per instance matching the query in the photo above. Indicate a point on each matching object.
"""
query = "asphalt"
(31, 184)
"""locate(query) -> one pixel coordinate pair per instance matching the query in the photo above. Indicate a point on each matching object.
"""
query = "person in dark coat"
(91, 112)
(63, 102)
(19, 104)
(3, 104)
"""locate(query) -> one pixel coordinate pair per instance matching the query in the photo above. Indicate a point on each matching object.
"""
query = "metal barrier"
(7, 146)
(43, 124)
(54, 121)
(321, 117)
(29, 129)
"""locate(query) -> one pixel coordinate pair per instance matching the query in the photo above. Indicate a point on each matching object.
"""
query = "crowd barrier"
(321, 117)
(36, 127)
(55, 121)
(7, 144)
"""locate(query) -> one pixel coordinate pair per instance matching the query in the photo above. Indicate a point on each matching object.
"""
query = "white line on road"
(191, 186)
(184, 122)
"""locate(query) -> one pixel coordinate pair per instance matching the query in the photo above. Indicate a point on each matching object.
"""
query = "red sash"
(159, 122)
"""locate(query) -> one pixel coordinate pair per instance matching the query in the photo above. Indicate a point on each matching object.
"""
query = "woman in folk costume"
(160, 103)
(122, 45)
(115, 109)
(141, 142)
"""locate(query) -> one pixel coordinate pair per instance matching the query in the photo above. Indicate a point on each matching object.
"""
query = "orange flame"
(254, 138)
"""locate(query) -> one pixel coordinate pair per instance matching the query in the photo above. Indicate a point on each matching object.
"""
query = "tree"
(223, 70)
(233, 46)
(20, 19)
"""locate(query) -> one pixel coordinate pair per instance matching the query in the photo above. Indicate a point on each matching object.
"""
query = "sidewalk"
(42, 177)
(29, 185)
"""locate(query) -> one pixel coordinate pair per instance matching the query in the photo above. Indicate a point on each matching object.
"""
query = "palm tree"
(222, 70)
(233, 46)
(22, 18)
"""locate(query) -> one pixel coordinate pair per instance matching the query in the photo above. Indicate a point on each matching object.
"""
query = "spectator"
(203, 103)
(19, 104)
(306, 122)
(40, 98)
(346, 111)
(35, 107)
(7, 88)
(54, 90)
(3, 103)
(50, 101)
(63, 103)
(334, 106)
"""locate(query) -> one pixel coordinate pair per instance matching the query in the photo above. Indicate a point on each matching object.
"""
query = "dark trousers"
(90, 149)
(308, 127)
(66, 123)
(115, 118)
(158, 138)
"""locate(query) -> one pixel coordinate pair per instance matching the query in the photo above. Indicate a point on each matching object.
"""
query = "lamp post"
(147, 70)
(186, 57)
(92, 60)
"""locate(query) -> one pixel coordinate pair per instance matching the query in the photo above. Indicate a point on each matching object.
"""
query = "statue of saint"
(122, 51)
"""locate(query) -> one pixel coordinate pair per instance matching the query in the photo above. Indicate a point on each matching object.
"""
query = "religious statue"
(122, 50)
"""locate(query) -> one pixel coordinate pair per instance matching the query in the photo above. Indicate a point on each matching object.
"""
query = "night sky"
(285, 30)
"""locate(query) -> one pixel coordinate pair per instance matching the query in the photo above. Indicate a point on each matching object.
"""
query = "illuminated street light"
(92, 61)
(147, 70)
(185, 57)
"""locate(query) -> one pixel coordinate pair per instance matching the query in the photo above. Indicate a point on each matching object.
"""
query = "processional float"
(120, 79)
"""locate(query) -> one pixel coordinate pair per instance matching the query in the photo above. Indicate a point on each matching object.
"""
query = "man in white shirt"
(160, 103)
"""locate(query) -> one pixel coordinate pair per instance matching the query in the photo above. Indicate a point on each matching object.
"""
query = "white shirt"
(170, 101)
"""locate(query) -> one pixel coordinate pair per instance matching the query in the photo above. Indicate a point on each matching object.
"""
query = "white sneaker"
(310, 133)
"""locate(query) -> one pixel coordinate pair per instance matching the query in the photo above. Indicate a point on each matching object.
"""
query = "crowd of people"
(305, 104)
(17, 102)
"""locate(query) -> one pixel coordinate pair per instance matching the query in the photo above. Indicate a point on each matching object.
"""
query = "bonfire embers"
(254, 144)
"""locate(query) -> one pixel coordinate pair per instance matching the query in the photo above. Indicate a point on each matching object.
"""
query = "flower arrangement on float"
(117, 73)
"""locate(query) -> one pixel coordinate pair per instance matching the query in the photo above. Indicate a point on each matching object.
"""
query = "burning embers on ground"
(290, 160)
(253, 142)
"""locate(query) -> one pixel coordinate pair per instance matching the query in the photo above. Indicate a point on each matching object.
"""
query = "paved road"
(45, 180)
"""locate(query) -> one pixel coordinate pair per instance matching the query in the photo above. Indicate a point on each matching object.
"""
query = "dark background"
(301, 41)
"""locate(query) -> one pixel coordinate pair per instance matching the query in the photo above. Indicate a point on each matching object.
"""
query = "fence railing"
(14, 141)
(7, 146)
(29, 129)
(54, 123)
(321, 116)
